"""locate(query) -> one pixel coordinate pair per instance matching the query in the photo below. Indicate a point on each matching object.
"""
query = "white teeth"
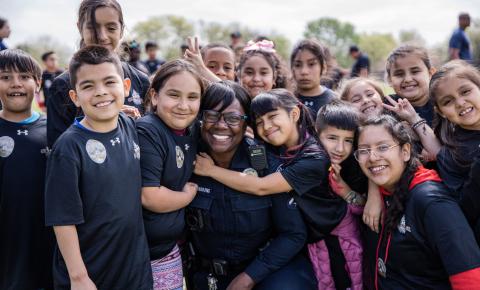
(466, 111)
(376, 169)
(369, 109)
(17, 94)
(103, 104)
(220, 137)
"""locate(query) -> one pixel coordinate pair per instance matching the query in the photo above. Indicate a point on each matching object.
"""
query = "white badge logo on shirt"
(250, 171)
(135, 98)
(96, 151)
(308, 104)
(402, 226)
(6, 146)
(136, 151)
(24, 132)
(180, 157)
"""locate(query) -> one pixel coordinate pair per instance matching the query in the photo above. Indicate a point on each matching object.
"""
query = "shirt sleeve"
(63, 202)
(306, 173)
(292, 234)
(363, 63)
(450, 236)
(449, 171)
(455, 41)
(61, 110)
(152, 156)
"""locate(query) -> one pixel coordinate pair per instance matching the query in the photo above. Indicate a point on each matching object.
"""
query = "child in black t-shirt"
(25, 245)
(168, 137)
(308, 62)
(93, 184)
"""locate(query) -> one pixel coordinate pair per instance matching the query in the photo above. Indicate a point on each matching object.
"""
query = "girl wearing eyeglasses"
(241, 241)
(168, 136)
(425, 241)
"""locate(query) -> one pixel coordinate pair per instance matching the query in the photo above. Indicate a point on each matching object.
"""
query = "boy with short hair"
(93, 184)
(26, 245)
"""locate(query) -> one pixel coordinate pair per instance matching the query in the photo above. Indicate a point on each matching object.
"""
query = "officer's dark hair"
(86, 13)
(3, 21)
(164, 73)
(402, 134)
(337, 114)
(443, 128)
(223, 94)
(19, 61)
(47, 54)
(150, 44)
(209, 46)
(92, 55)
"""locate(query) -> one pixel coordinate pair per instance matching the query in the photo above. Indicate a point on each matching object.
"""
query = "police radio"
(258, 157)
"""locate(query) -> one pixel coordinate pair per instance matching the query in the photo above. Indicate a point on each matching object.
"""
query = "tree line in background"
(170, 31)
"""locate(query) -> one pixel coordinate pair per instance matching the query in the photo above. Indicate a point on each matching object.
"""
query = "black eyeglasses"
(232, 119)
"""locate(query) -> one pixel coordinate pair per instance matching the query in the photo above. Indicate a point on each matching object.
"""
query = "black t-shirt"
(153, 65)
(454, 163)
(47, 81)
(316, 102)
(167, 160)
(431, 242)
(62, 111)
(26, 245)
(362, 62)
(237, 225)
(470, 201)
(94, 182)
(307, 174)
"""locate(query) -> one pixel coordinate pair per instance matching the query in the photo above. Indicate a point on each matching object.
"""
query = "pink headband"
(264, 45)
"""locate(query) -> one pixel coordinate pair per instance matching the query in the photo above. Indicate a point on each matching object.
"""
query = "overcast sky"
(433, 19)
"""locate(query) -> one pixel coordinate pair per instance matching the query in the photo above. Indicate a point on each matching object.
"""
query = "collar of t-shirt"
(181, 132)
(79, 125)
(34, 117)
(421, 175)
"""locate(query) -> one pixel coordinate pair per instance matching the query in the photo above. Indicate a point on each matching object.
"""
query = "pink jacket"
(348, 234)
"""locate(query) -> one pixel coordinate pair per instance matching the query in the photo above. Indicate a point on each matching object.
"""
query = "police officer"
(238, 240)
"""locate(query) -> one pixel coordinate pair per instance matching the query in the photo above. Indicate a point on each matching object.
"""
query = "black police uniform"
(454, 164)
(26, 245)
(62, 111)
(431, 242)
(167, 160)
(234, 232)
(316, 102)
(93, 182)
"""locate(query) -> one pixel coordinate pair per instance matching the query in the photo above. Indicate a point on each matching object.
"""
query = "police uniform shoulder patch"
(96, 151)
(6, 146)
(179, 156)
(136, 151)
(250, 171)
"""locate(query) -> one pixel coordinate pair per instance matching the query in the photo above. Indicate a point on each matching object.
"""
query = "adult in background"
(459, 44)
(361, 67)
(4, 32)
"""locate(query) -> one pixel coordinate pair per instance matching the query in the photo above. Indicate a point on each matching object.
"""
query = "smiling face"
(221, 62)
(100, 91)
(385, 165)
(256, 75)
(221, 137)
(178, 101)
(337, 142)
(306, 71)
(409, 77)
(458, 100)
(17, 90)
(279, 127)
(108, 26)
(365, 98)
